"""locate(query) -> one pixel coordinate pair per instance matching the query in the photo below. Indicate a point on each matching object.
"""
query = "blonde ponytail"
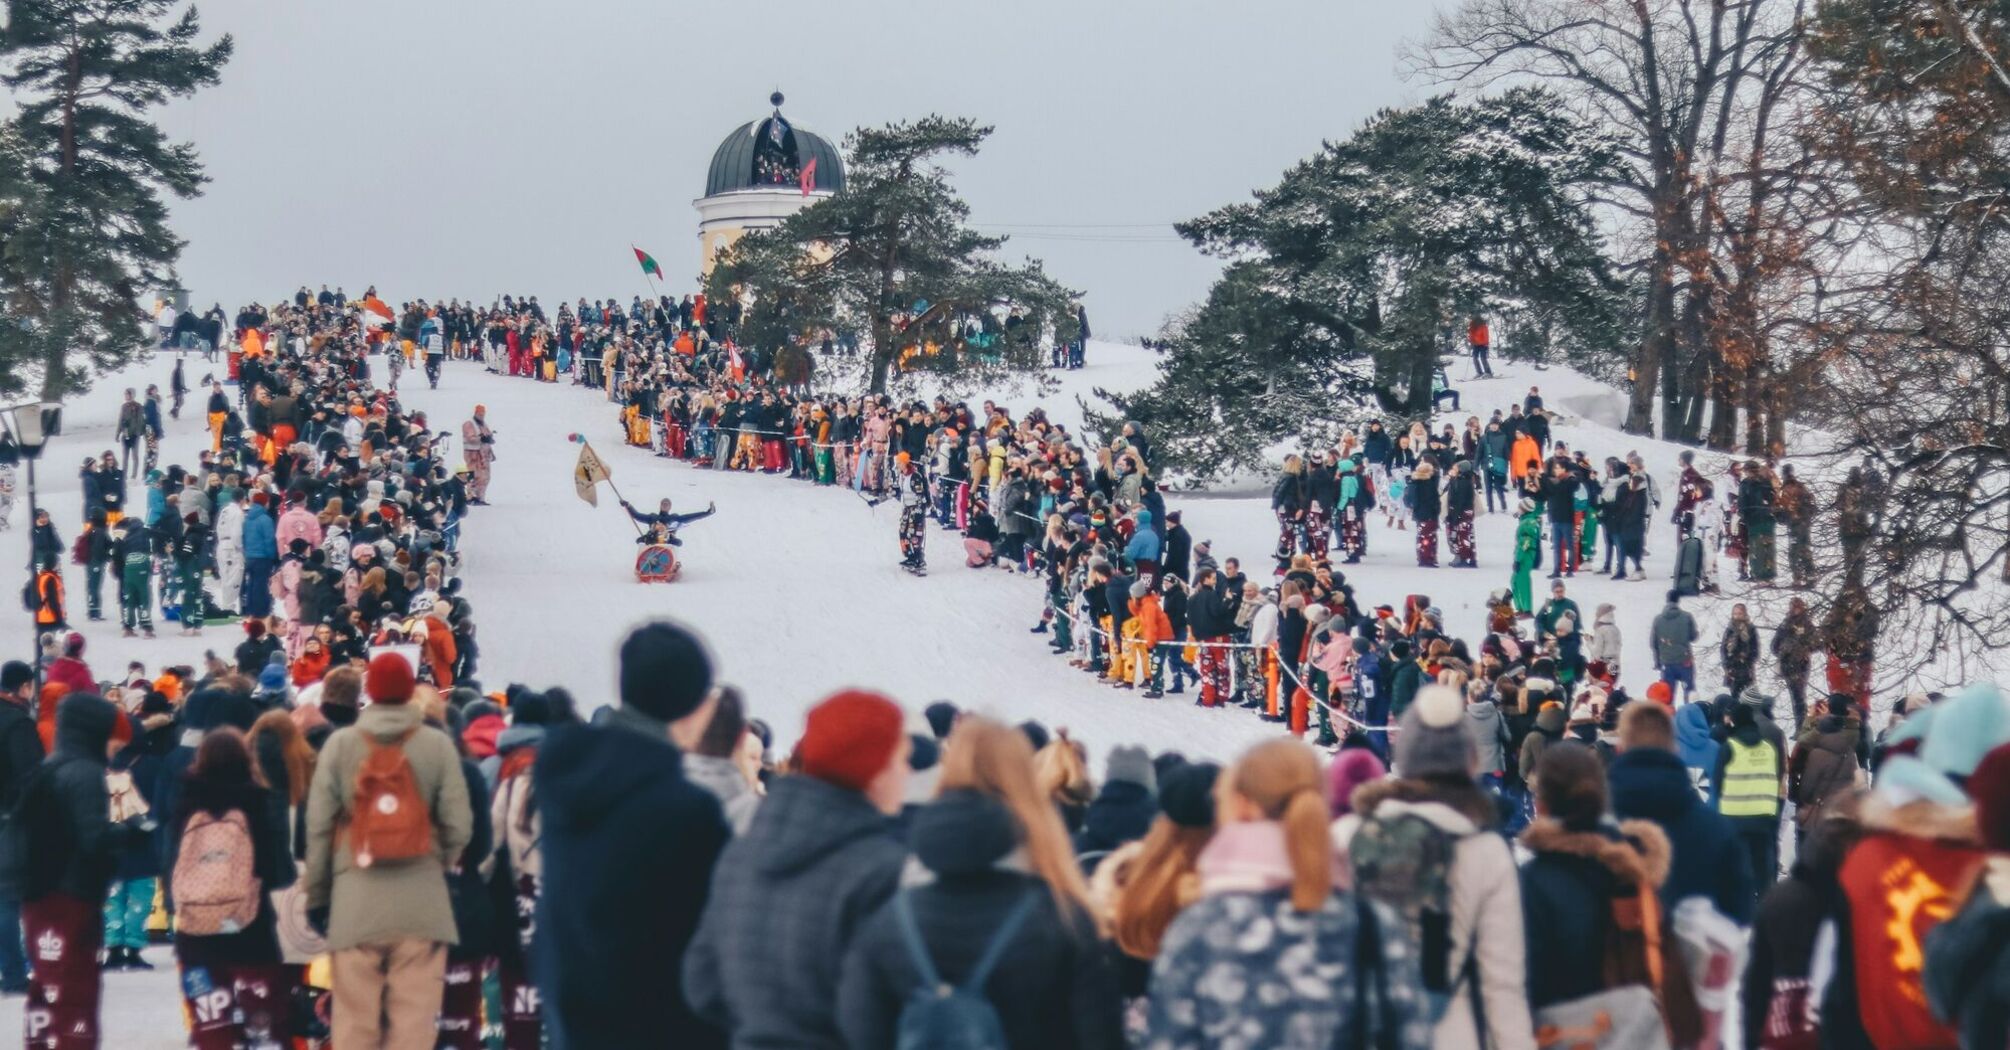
(1310, 846)
(1281, 779)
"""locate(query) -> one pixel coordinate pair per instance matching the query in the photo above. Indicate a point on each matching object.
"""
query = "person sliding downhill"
(662, 526)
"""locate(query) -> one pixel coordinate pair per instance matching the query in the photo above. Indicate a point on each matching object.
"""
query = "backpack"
(1636, 970)
(80, 550)
(31, 597)
(940, 1016)
(1405, 862)
(216, 885)
(388, 820)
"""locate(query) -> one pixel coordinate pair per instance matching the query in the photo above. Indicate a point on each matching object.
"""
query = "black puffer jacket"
(73, 847)
(1121, 812)
(1054, 988)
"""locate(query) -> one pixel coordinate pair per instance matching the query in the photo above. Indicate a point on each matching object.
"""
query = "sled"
(656, 563)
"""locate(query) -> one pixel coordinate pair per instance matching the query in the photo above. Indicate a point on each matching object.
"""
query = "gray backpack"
(940, 1016)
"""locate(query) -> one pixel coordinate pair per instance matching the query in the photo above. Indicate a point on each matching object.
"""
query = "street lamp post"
(29, 427)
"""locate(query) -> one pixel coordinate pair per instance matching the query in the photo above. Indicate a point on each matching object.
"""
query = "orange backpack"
(390, 821)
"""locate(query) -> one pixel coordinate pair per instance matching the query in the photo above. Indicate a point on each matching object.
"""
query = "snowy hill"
(796, 586)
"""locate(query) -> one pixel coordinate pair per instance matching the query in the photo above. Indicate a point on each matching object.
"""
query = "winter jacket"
(1566, 892)
(1707, 860)
(258, 943)
(1242, 966)
(73, 848)
(1605, 643)
(723, 779)
(1121, 812)
(1697, 744)
(791, 895)
(1154, 627)
(1207, 614)
(1967, 972)
(298, 523)
(1548, 729)
(1144, 544)
(260, 534)
(628, 851)
(1877, 997)
(71, 671)
(1490, 735)
(385, 902)
(21, 750)
(1486, 920)
(1404, 680)
(1673, 634)
(1054, 987)
(1785, 932)
(1824, 761)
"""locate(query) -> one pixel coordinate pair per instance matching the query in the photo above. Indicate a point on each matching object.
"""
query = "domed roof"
(770, 154)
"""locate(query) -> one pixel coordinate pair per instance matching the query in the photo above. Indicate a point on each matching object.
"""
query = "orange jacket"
(440, 651)
(1523, 452)
(1153, 626)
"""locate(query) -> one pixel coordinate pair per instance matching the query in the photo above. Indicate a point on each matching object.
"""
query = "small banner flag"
(809, 179)
(588, 473)
(649, 265)
(379, 307)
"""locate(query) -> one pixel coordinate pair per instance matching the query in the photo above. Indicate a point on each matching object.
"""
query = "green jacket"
(385, 902)
(1528, 540)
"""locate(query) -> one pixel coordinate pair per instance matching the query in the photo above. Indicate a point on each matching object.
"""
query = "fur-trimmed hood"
(1639, 852)
(1431, 803)
(1921, 819)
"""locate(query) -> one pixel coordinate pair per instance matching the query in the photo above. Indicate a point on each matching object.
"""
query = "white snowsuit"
(230, 555)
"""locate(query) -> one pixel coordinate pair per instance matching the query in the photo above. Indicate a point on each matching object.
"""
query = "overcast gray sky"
(453, 148)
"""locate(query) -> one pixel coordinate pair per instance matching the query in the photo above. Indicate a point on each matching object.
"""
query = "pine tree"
(891, 256)
(1367, 257)
(82, 214)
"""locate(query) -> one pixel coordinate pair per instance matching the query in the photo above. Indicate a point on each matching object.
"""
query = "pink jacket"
(298, 523)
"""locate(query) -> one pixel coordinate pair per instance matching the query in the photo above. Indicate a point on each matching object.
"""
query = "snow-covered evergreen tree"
(1351, 276)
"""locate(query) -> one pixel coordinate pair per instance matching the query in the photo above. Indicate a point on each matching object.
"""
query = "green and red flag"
(649, 264)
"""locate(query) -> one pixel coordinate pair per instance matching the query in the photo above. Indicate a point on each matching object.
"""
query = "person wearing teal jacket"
(1527, 553)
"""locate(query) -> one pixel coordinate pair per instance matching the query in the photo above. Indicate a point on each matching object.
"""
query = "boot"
(135, 962)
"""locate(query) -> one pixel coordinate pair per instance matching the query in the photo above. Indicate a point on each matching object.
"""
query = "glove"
(317, 919)
(710, 507)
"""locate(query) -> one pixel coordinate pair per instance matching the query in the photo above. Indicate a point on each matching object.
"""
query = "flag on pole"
(588, 473)
(809, 179)
(649, 265)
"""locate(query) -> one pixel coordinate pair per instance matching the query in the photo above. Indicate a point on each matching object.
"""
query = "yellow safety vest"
(1751, 781)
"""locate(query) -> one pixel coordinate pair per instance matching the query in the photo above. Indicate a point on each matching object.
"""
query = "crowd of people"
(350, 839)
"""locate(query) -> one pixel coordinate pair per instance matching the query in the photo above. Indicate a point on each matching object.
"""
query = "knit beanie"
(272, 680)
(1351, 768)
(1131, 764)
(1989, 786)
(666, 671)
(1965, 728)
(1434, 740)
(390, 679)
(849, 738)
(1186, 795)
(1662, 693)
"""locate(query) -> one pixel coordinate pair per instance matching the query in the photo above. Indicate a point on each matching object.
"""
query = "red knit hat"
(390, 679)
(1989, 786)
(1662, 693)
(849, 738)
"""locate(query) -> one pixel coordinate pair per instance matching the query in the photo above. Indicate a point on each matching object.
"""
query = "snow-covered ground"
(796, 586)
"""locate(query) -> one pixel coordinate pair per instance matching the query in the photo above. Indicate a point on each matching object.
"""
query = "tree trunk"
(1656, 337)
